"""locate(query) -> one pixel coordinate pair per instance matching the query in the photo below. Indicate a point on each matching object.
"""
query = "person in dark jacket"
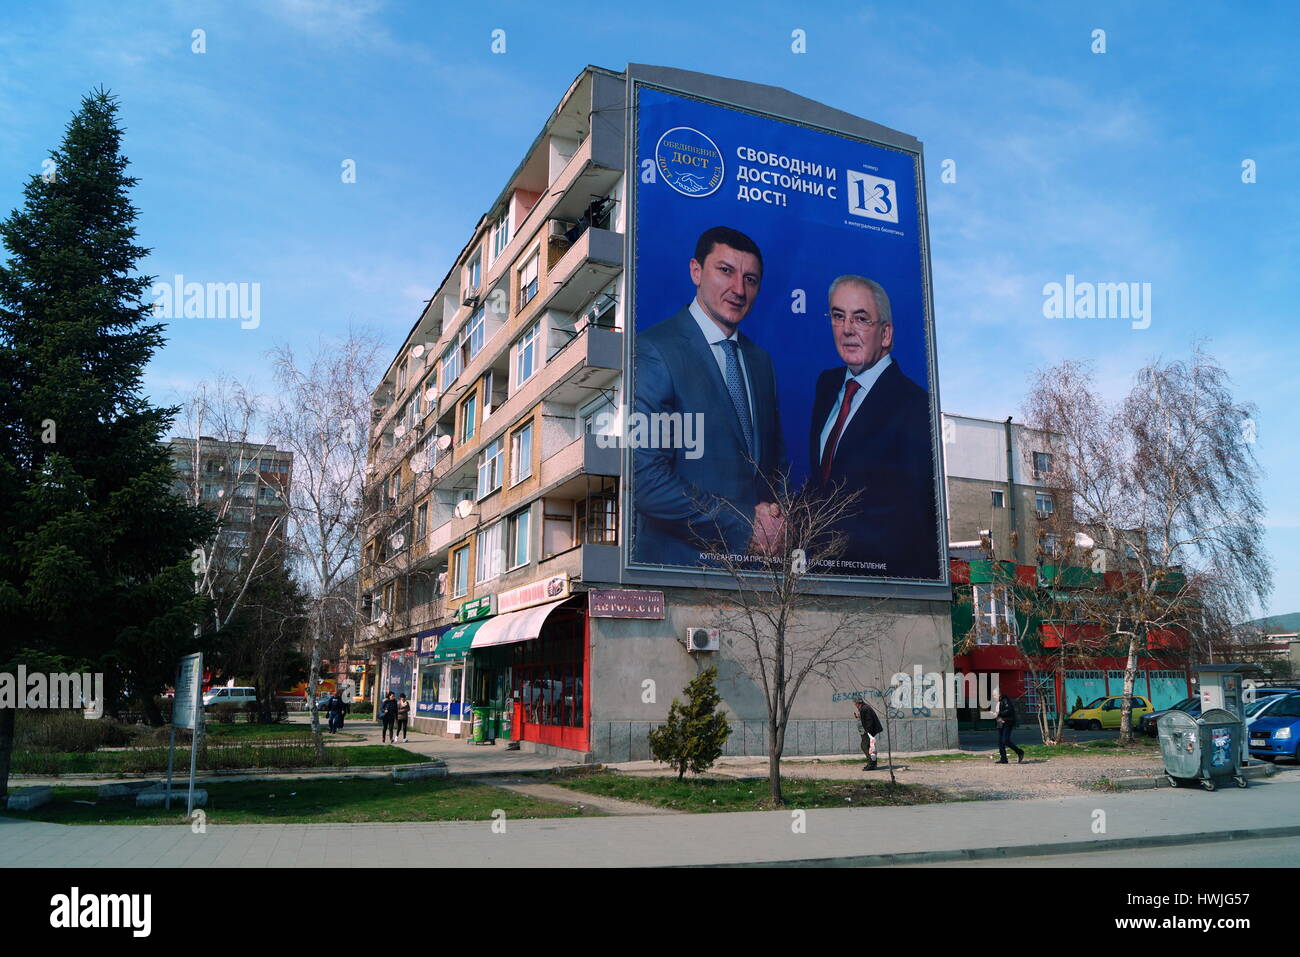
(871, 727)
(403, 717)
(387, 717)
(334, 708)
(1006, 718)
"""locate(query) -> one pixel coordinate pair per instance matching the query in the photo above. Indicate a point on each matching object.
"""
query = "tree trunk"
(1126, 715)
(774, 776)
(318, 624)
(7, 716)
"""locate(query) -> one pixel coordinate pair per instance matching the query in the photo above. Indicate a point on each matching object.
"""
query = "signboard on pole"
(188, 702)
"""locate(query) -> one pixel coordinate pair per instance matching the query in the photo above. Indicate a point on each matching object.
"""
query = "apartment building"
(999, 486)
(245, 484)
(492, 580)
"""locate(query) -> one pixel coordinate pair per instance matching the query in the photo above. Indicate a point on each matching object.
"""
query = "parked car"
(1106, 713)
(1274, 729)
(1190, 706)
(239, 696)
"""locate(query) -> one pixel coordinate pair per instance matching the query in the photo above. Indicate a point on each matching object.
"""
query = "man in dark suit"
(697, 363)
(871, 430)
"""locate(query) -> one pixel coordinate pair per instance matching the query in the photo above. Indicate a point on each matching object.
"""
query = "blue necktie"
(739, 397)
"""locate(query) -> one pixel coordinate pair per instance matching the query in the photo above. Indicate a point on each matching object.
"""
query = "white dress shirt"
(713, 336)
(866, 379)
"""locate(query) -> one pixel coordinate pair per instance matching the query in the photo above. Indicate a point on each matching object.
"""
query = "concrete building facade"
(491, 580)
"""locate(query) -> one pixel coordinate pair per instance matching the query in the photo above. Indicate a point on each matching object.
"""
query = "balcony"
(590, 264)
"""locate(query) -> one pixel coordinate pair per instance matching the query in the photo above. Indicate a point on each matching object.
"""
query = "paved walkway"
(863, 836)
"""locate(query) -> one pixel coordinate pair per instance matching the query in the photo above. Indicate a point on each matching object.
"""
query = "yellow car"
(1105, 713)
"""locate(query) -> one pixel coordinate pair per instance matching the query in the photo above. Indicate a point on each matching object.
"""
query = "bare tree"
(783, 631)
(321, 415)
(1165, 483)
(220, 421)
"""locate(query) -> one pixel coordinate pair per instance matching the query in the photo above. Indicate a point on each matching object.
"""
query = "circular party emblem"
(689, 161)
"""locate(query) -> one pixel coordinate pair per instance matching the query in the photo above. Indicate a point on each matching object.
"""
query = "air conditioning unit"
(559, 228)
(471, 298)
(701, 639)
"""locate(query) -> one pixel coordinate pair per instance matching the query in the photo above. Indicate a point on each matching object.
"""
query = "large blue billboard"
(782, 329)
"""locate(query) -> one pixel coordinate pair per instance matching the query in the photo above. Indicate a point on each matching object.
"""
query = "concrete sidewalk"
(861, 836)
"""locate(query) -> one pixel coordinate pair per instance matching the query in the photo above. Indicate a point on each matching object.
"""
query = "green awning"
(454, 644)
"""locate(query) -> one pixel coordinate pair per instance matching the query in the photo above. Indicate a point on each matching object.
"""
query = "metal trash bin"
(1201, 749)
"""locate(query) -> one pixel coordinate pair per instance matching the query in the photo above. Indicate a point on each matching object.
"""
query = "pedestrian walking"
(335, 710)
(1006, 718)
(387, 717)
(871, 727)
(403, 717)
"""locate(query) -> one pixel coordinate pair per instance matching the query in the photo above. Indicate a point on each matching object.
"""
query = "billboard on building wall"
(781, 334)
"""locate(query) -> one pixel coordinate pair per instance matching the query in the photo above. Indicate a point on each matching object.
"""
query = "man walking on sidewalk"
(1006, 718)
(870, 728)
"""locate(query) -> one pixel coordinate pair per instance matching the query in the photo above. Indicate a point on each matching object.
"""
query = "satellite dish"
(399, 431)
(383, 619)
(398, 540)
(464, 507)
(1083, 541)
(430, 394)
(417, 351)
(221, 493)
(444, 443)
(420, 462)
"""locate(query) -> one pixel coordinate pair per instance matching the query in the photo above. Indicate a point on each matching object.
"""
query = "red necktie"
(828, 454)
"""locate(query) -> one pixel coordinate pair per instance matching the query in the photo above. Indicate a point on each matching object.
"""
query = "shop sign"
(625, 603)
(534, 593)
(476, 608)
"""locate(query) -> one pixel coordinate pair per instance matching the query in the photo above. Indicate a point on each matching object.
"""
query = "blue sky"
(1115, 166)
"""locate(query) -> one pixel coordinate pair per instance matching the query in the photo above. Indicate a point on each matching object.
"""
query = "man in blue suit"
(686, 501)
(871, 431)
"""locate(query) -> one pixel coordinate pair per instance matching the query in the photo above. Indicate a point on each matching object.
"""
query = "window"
(999, 498)
(489, 557)
(1042, 462)
(468, 418)
(526, 355)
(528, 281)
(1051, 544)
(460, 572)
(474, 272)
(451, 366)
(501, 234)
(421, 522)
(421, 590)
(1044, 503)
(521, 454)
(520, 528)
(473, 334)
(489, 468)
(244, 490)
(401, 375)
(995, 618)
(601, 418)
(598, 520)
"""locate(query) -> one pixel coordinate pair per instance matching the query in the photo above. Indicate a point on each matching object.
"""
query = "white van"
(236, 696)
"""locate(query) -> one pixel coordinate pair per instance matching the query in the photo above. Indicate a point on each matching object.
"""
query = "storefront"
(442, 681)
(531, 666)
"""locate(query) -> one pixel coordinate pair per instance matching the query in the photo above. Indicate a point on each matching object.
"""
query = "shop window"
(548, 676)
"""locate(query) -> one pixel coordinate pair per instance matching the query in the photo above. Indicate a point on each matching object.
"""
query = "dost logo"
(689, 161)
(872, 196)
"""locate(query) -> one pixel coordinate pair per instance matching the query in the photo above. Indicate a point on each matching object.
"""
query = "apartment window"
(489, 468)
(421, 590)
(521, 454)
(520, 527)
(401, 376)
(267, 495)
(468, 418)
(526, 355)
(460, 572)
(421, 522)
(598, 520)
(473, 334)
(1044, 503)
(1051, 543)
(1042, 462)
(244, 490)
(451, 366)
(501, 234)
(1130, 553)
(489, 557)
(600, 418)
(474, 272)
(999, 498)
(528, 281)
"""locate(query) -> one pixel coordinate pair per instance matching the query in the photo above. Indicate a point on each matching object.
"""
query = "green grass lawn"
(300, 754)
(729, 794)
(341, 800)
(244, 732)
(1142, 747)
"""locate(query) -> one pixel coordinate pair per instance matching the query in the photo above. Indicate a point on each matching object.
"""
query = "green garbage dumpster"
(1201, 749)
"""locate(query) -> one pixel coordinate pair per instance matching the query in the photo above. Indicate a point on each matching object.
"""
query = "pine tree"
(94, 559)
(693, 736)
